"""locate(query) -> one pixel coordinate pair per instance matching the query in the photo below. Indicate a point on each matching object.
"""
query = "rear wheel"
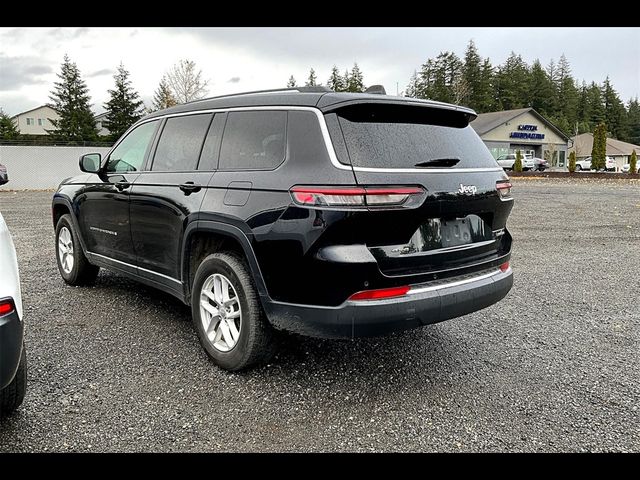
(227, 314)
(73, 265)
(12, 396)
(578, 168)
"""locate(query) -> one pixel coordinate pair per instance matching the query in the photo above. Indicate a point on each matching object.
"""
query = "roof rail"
(316, 89)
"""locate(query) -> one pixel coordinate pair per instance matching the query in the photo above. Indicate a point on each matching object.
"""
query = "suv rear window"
(398, 136)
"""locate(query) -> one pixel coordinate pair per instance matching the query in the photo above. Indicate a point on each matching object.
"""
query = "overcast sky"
(241, 59)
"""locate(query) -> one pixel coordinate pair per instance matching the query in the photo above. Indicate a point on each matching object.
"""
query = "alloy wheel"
(65, 250)
(220, 312)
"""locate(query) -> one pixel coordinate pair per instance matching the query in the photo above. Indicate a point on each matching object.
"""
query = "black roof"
(321, 98)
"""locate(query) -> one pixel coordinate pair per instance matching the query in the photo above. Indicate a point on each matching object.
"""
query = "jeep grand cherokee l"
(327, 214)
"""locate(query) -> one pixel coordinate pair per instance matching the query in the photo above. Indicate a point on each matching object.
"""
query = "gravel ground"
(553, 367)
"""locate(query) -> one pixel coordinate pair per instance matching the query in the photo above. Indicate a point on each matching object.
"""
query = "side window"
(253, 140)
(129, 155)
(211, 148)
(180, 143)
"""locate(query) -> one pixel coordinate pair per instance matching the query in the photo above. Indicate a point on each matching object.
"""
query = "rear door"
(462, 220)
(167, 196)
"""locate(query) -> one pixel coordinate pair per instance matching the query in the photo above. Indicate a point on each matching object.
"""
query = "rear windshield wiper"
(438, 162)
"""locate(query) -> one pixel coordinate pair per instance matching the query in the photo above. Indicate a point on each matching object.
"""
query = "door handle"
(189, 187)
(122, 185)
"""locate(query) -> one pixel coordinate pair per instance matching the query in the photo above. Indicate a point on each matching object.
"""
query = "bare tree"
(186, 82)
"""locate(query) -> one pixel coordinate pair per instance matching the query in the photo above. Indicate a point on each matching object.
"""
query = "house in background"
(101, 120)
(36, 121)
(522, 129)
(617, 149)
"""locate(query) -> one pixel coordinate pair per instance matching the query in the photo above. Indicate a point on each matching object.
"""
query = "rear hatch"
(460, 225)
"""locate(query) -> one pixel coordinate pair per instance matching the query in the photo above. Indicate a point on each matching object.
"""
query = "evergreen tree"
(124, 107)
(472, 76)
(312, 80)
(572, 161)
(485, 98)
(599, 150)
(595, 105)
(615, 115)
(70, 98)
(414, 88)
(633, 162)
(541, 90)
(566, 100)
(337, 82)
(8, 129)
(512, 81)
(633, 122)
(292, 82)
(517, 165)
(355, 80)
(163, 97)
(440, 78)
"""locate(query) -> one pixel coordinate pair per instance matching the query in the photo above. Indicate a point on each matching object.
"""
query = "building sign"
(527, 132)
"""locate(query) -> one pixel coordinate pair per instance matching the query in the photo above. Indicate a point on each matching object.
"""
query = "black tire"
(578, 168)
(82, 272)
(12, 395)
(256, 340)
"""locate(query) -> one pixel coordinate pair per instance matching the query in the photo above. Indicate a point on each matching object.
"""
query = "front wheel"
(227, 314)
(12, 396)
(578, 168)
(73, 265)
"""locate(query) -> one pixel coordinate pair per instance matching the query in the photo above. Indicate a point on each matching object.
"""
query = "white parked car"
(586, 164)
(13, 361)
(626, 167)
(507, 160)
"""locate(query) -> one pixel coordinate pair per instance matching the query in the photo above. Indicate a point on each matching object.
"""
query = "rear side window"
(393, 136)
(253, 140)
(180, 143)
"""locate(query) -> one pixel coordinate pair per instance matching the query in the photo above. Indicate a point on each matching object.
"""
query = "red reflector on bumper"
(380, 293)
(504, 267)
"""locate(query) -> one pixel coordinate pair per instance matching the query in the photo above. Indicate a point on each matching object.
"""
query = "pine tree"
(440, 78)
(485, 98)
(566, 100)
(8, 129)
(414, 89)
(355, 80)
(292, 82)
(633, 162)
(163, 97)
(511, 82)
(615, 115)
(598, 152)
(337, 82)
(70, 98)
(633, 122)
(541, 90)
(472, 76)
(312, 79)
(124, 107)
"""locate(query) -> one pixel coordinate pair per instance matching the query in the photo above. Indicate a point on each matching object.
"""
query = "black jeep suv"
(327, 214)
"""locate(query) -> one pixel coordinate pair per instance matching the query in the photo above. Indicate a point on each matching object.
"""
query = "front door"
(103, 206)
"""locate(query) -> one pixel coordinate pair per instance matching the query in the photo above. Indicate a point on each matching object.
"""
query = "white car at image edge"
(13, 362)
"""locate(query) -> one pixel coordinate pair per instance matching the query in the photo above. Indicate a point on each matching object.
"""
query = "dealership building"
(523, 129)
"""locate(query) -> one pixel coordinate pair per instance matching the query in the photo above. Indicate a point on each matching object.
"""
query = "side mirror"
(90, 163)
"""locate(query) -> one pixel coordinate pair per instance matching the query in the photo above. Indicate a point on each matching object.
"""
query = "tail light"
(380, 293)
(504, 189)
(504, 267)
(357, 196)
(6, 307)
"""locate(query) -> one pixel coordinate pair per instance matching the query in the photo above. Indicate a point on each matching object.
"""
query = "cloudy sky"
(241, 59)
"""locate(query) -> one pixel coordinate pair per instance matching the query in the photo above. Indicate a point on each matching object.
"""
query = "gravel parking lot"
(553, 367)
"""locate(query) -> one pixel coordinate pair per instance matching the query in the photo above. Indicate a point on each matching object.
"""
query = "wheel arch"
(61, 206)
(204, 237)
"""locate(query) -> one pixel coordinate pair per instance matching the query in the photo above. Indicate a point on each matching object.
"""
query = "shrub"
(572, 162)
(517, 165)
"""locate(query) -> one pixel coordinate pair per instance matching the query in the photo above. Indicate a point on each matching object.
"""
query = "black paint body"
(306, 262)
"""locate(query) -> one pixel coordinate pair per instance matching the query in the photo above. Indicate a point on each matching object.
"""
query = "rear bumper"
(425, 304)
(11, 330)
